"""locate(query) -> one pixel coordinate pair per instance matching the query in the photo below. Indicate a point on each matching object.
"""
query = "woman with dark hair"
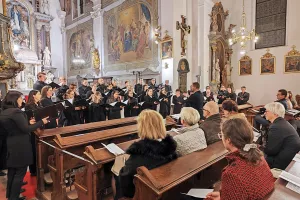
(144, 93)
(96, 108)
(33, 103)
(164, 102)
(150, 101)
(46, 101)
(72, 112)
(19, 148)
(231, 110)
(248, 175)
(114, 112)
(178, 102)
(132, 108)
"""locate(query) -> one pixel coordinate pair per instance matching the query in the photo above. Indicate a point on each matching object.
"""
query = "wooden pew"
(199, 169)
(44, 180)
(281, 192)
(60, 163)
(92, 182)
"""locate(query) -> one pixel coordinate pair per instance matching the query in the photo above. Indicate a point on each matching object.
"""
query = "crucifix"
(185, 29)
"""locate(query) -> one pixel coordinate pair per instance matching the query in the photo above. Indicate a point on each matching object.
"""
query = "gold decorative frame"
(248, 61)
(166, 39)
(292, 56)
(268, 57)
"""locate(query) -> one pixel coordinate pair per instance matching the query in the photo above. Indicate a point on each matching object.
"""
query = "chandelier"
(243, 36)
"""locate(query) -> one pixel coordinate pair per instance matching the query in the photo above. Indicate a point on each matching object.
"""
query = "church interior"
(149, 99)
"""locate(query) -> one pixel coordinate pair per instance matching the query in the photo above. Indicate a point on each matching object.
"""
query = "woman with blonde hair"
(248, 175)
(97, 108)
(153, 150)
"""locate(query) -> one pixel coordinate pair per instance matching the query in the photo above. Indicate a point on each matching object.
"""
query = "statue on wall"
(214, 24)
(224, 75)
(217, 71)
(185, 29)
(44, 7)
(47, 57)
(183, 69)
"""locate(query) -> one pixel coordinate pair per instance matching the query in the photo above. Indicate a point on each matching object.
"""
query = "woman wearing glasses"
(248, 175)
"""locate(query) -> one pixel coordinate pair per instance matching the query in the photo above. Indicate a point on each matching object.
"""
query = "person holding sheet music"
(164, 103)
(46, 101)
(154, 87)
(178, 102)
(138, 88)
(101, 86)
(132, 108)
(114, 111)
(63, 88)
(150, 101)
(97, 108)
(72, 112)
(32, 104)
(247, 176)
(222, 94)
(208, 95)
(243, 97)
(169, 91)
(144, 94)
(19, 148)
(231, 95)
(154, 149)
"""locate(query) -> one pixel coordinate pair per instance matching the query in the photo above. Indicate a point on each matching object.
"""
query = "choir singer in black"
(114, 112)
(178, 102)
(19, 148)
(243, 97)
(132, 108)
(97, 108)
(196, 99)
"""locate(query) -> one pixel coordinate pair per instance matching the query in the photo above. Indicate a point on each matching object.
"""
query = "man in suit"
(63, 88)
(169, 91)
(283, 140)
(85, 90)
(101, 86)
(243, 97)
(40, 83)
(196, 99)
(154, 87)
(138, 88)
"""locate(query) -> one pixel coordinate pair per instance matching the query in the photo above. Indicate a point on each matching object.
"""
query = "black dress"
(97, 112)
(129, 110)
(222, 96)
(177, 106)
(164, 105)
(150, 103)
(72, 116)
(232, 96)
(113, 112)
(44, 103)
(32, 168)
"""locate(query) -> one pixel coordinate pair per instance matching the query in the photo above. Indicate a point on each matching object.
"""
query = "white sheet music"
(114, 149)
(175, 116)
(113, 104)
(256, 136)
(293, 187)
(142, 103)
(199, 193)
(125, 102)
(290, 178)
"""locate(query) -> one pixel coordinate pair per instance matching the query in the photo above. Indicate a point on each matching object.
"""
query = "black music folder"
(54, 85)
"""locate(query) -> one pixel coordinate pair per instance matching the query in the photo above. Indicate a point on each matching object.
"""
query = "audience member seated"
(211, 125)
(283, 140)
(261, 120)
(243, 97)
(153, 150)
(231, 95)
(190, 138)
(248, 176)
(208, 95)
(222, 94)
(289, 102)
(231, 110)
(291, 97)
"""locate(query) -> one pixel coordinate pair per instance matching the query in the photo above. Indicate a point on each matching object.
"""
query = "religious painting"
(167, 49)
(80, 43)
(245, 66)
(19, 21)
(128, 36)
(292, 61)
(267, 63)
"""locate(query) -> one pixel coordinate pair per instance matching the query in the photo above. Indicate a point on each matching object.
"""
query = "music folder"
(54, 85)
(49, 111)
(116, 104)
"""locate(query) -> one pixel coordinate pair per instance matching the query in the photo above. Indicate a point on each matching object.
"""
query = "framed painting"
(267, 63)
(292, 61)
(167, 49)
(245, 66)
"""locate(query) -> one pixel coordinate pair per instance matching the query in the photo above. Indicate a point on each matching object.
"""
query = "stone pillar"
(63, 71)
(97, 16)
(204, 8)
(47, 29)
(39, 40)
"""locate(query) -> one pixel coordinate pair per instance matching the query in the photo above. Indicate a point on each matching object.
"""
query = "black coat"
(61, 92)
(148, 153)
(211, 127)
(209, 97)
(231, 96)
(44, 103)
(129, 110)
(222, 96)
(168, 89)
(177, 107)
(19, 149)
(102, 88)
(39, 85)
(85, 91)
(72, 116)
(164, 108)
(196, 101)
(97, 112)
(282, 145)
(113, 111)
(150, 103)
(243, 98)
(138, 88)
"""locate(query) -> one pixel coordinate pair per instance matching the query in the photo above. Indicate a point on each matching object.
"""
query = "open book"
(293, 112)
(114, 149)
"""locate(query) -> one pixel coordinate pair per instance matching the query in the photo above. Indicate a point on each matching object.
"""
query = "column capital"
(61, 14)
(47, 28)
(97, 11)
(39, 26)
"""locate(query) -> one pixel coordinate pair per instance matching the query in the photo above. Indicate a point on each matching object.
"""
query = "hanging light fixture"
(243, 35)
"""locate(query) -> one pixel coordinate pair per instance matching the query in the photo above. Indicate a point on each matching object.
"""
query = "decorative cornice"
(42, 17)
(97, 11)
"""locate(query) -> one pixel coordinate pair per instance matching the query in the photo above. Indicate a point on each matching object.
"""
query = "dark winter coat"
(39, 85)
(148, 153)
(97, 112)
(19, 149)
(282, 145)
(211, 127)
(44, 103)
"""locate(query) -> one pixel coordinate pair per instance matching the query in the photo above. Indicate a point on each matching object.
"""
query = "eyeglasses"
(220, 135)
(205, 110)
